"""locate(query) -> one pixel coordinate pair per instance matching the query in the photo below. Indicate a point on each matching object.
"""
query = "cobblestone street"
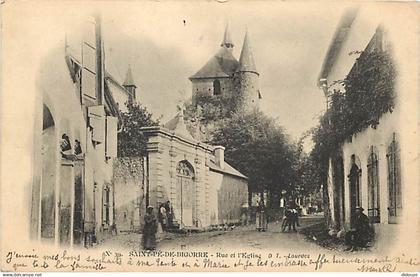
(246, 237)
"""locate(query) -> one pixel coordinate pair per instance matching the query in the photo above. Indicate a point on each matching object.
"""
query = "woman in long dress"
(149, 230)
(261, 217)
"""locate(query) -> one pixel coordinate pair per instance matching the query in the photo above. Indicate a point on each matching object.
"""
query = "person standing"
(149, 230)
(261, 217)
(169, 214)
(163, 216)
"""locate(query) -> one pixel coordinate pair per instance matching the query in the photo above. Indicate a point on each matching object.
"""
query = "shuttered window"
(106, 206)
(395, 204)
(89, 71)
(97, 122)
(373, 187)
(111, 136)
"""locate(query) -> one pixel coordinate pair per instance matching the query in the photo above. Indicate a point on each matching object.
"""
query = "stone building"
(202, 188)
(223, 74)
(371, 169)
(75, 141)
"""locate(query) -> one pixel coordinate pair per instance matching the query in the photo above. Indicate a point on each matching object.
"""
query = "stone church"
(224, 75)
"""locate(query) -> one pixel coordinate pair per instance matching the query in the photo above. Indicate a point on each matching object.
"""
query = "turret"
(248, 77)
(227, 39)
(129, 84)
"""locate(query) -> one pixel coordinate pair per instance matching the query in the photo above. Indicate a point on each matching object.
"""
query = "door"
(355, 197)
(185, 187)
(65, 202)
(78, 202)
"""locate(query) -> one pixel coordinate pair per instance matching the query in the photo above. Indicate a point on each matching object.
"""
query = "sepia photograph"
(209, 136)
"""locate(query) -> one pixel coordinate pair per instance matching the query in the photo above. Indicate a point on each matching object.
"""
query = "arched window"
(394, 181)
(373, 187)
(355, 186)
(216, 87)
(184, 168)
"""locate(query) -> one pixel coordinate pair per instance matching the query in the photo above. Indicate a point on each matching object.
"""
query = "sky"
(165, 43)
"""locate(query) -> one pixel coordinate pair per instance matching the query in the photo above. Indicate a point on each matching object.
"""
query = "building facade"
(75, 141)
(202, 188)
(371, 169)
(224, 75)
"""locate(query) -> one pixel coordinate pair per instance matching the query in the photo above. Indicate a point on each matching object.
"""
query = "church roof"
(223, 64)
(129, 78)
(227, 38)
(246, 61)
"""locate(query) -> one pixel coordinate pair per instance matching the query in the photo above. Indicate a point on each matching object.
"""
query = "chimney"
(219, 154)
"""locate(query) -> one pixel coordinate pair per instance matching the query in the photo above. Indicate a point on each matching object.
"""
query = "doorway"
(355, 187)
(185, 189)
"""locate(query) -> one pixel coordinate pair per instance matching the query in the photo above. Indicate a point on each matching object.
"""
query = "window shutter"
(97, 122)
(89, 60)
(104, 206)
(111, 136)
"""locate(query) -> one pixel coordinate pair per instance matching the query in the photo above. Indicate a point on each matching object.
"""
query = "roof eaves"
(339, 37)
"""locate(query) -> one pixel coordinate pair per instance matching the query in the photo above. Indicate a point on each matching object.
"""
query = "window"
(106, 206)
(216, 87)
(184, 168)
(394, 181)
(373, 187)
(97, 122)
(111, 136)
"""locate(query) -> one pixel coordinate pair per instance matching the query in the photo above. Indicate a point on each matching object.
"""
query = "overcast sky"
(165, 43)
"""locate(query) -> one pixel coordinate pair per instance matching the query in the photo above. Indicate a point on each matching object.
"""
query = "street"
(246, 237)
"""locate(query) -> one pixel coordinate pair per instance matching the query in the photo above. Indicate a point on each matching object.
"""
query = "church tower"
(248, 77)
(129, 84)
(215, 77)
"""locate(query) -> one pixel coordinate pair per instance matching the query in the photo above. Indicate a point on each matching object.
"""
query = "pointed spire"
(227, 39)
(129, 78)
(246, 61)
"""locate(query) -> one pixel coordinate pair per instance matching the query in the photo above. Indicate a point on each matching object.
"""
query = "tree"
(368, 93)
(131, 141)
(260, 149)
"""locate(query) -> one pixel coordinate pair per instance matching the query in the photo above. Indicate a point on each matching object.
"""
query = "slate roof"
(230, 170)
(339, 37)
(129, 78)
(246, 61)
(223, 64)
(227, 38)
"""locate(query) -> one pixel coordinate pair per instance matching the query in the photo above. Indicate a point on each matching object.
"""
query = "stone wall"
(205, 86)
(232, 196)
(130, 204)
(249, 89)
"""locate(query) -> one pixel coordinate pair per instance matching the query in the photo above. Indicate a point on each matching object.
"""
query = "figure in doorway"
(149, 230)
(163, 217)
(169, 214)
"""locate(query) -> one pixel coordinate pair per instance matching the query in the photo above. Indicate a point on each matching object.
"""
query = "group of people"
(359, 236)
(290, 218)
(152, 225)
(166, 216)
